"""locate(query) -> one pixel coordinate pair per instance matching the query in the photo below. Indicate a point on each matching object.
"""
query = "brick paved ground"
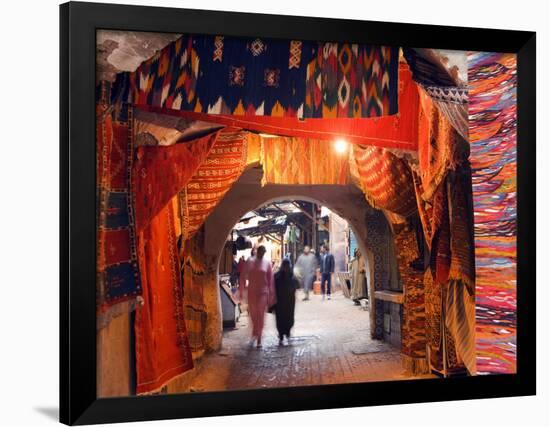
(331, 344)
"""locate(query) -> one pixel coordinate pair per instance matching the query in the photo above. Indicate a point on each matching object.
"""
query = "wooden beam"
(276, 239)
(293, 222)
(306, 213)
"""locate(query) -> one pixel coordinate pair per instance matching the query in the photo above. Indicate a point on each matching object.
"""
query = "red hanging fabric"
(161, 172)
(162, 346)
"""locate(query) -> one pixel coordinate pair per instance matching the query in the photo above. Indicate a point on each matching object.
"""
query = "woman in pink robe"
(261, 292)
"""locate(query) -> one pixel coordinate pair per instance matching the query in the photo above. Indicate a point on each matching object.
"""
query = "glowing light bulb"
(341, 146)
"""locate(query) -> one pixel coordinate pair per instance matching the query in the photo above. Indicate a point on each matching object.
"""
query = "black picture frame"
(78, 402)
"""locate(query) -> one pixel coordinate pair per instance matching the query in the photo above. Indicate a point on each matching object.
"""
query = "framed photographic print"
(268, 213)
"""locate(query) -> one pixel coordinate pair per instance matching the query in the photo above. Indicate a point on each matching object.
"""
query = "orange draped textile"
(161, 172)
(212, 179)
(162, 347)
(399, 131)
(302, 161)
(440, 147)
(452, 266)
(386, 180)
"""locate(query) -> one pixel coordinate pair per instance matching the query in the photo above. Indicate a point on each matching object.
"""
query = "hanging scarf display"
(492, 79)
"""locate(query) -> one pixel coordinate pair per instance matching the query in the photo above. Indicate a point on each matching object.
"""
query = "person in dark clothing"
(285, 288)
(327, 268)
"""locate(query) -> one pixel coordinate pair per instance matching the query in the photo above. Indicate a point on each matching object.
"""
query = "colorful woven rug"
(351, 80)
(299, 161)
(265, 77)
(493, 115)
(117, 269)
(397, 131)
(212, 180)
(162, 346)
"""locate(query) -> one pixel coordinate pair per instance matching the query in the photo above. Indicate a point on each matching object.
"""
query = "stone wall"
(114, 358)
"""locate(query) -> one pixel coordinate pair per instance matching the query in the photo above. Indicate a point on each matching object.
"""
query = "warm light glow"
(341, 146)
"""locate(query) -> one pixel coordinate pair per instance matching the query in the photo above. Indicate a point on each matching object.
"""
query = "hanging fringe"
(415, 365)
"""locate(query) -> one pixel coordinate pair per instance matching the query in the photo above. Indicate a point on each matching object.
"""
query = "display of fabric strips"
(265, 77)
(162, 345)
(492, 79)
(117, 270)
(215, 176)
(301, 161)
(453, 103)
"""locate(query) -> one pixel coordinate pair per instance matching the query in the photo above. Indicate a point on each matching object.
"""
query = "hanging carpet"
(117, 269)
(161, 172)
(265, 77)
(398, 131)
(212, 180)
(162, 346)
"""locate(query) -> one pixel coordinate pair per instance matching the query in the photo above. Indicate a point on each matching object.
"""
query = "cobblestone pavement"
(331, 344)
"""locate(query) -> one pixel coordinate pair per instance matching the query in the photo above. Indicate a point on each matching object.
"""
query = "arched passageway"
(247, 194)
(327, 341)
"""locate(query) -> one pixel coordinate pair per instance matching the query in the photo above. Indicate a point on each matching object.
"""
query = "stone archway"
(247, 194)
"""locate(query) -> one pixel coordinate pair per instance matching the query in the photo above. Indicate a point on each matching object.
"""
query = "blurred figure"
(327, 268)
(358, 290)
(261, 292)
(285, 288)
(242, 280)
(306, 265)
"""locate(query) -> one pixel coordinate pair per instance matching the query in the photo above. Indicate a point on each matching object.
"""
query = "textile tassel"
(415, 365)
